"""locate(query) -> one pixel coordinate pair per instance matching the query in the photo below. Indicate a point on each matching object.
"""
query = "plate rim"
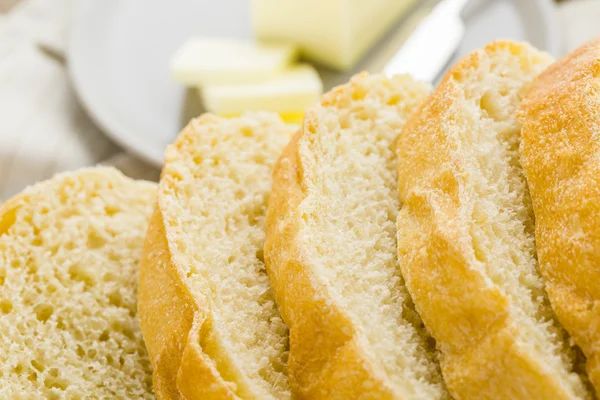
(112, 128)
(119, 132)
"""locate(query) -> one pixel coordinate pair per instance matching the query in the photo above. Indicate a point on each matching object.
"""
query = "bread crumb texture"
(349, 164)
(466, 235)
(69, 253)
(358, 337)
(213, 199)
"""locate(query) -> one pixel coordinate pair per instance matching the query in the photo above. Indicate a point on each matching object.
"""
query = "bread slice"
(69, 254)
(331, 250)
(560, 153)
(465, 234)
(206, 310)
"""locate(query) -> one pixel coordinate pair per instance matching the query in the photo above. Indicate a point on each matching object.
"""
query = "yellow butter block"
(215, 61)
(336, 33)
(289, 93)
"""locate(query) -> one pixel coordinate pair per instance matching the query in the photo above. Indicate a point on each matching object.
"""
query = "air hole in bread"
(344, 121)
(128, 333)
(95, 241)
(109, 276)
(43, 312)
(393, 100)
(359, 93)
(53, 250)
(115, 298)
(239, 194)
(259, 158)
(38, 365)
(117, 326)
(103, 336)
(260, 255)
(78, 273)
(6, 306)
(32, 269)
(7, 220)
(175, 176)
(60, 323)
(253, 218)
(56, 383)
(491, 104)
(33, 376)
(111, 210)
(247, 131)
(148, 381)
(27, 300)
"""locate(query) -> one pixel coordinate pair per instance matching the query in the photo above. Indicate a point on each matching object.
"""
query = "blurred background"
(84, 82)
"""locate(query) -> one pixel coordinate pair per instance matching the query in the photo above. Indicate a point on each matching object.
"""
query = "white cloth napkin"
(44, 130)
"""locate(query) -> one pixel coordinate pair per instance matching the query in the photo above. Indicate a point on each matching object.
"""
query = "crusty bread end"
(206, 309)
(560, 152)
(465, 235)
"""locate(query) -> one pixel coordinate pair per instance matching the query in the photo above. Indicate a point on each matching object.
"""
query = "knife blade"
(428, 49)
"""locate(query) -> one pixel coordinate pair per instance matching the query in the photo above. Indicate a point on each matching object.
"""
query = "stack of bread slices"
(402, 244)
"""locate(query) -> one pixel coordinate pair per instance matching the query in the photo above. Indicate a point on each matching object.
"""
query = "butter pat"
(336, 33)
(288, 94)
(204, 61)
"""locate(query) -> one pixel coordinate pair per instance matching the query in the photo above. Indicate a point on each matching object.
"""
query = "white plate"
(120, 51)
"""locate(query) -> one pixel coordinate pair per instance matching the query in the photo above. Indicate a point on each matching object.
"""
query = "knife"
(428, 49)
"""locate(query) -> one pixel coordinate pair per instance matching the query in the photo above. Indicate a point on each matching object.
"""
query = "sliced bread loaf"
(69, 253)
(466, 239)
(560, 152)
(206, 309)
(331, 250)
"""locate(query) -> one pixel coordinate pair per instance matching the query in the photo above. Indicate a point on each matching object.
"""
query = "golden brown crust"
(467, 314)
(328, 356)
(174, 322)
(190, 358)
(338, 369)
(560, 152)
(171, 322)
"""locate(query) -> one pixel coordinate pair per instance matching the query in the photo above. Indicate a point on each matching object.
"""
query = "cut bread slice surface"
(560, 152)
(331, 249)
(206, 309)
(466, 238)
(69, 254)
